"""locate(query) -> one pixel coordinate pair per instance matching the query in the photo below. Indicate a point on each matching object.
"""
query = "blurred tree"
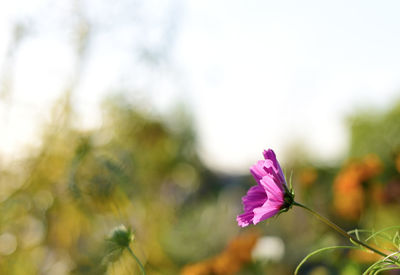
(376, 132)
(134, 170)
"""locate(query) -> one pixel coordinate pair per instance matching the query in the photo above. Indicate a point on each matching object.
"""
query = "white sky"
(256, 74)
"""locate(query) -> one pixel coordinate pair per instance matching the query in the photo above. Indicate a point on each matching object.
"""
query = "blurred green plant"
(119, 241)
(392, 244)
(61, 199)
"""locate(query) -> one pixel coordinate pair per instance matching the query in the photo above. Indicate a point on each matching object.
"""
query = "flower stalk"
(137, 260)
(341, 231)
(119, 241)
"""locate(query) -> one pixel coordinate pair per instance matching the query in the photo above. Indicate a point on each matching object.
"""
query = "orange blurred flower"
(349, 198)
(307, 176)
(201, 268)
(363, 256)
(372, 166)
(229, 261)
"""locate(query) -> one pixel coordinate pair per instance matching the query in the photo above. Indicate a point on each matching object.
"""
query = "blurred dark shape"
(391, 193)
(397, 162)
(319, 268)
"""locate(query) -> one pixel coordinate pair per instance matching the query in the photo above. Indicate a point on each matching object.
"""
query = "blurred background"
(150, 113)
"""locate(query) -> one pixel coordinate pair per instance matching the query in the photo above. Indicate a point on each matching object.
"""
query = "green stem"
(341, 231)
(137, 260)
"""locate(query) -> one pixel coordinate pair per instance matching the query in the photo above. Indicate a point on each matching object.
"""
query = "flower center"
(288, 201)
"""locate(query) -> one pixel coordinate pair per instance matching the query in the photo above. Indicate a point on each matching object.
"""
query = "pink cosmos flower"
(270, 196)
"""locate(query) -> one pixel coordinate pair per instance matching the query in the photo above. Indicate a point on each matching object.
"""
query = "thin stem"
(341, 231)
(137, 260)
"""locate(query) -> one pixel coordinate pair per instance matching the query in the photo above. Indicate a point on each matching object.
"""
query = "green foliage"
(65, 196)
(319, 251)
(391, 262)
(375, 131)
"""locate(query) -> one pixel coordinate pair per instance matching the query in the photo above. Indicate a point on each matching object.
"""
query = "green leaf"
(319, 251)
(383, 230)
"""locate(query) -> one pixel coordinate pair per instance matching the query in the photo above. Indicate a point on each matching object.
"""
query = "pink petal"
(245, 219)
(255, 197)
(263, 213)
(257, 170)
(270, 155)
(274, 190)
